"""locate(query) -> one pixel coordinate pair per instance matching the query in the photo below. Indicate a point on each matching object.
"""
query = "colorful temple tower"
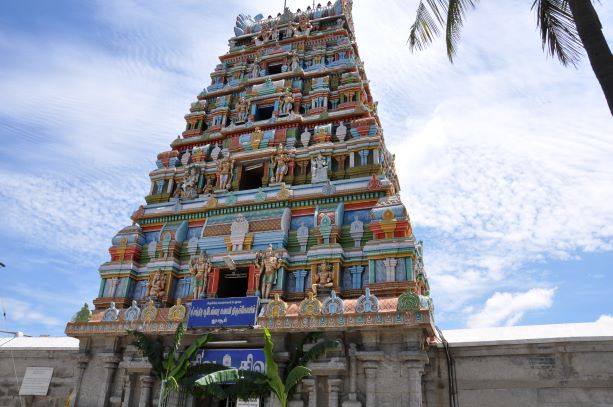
(281, 187)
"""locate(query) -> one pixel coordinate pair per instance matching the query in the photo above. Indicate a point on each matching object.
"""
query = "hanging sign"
(223, 312)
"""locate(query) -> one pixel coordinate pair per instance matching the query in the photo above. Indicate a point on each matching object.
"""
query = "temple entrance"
(251, 178)
(233, 283)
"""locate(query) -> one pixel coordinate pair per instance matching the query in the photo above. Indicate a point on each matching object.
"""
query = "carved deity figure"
(225, 167)
(319, 169)
(287, 102)
(242, 110)
(270, 263)
(238, 231)
(295, 63)
(189, 186)
(303, 27)
(158, 284)
(199, 268)
(255, 70)
(280, 160)
(323, 277)
(265, 34)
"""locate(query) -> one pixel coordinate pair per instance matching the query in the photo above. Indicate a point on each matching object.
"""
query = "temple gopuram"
(281, 189)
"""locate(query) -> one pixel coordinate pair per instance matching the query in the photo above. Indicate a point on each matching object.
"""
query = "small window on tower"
(274, 69)
(264, 112)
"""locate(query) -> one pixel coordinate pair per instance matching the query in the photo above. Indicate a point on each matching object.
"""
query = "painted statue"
(200, 268)
(287, 102)
(189, 186)
(323, 278)
(303, 27)
(242, 110)
(158, 285)
(270, 263)
(225, 167)
(255, 70)
(295, 63)
(319, 169)
(280, 160)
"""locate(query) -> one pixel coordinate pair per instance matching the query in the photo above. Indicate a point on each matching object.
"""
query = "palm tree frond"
(428, 20)
(558, 31)
(456, 12)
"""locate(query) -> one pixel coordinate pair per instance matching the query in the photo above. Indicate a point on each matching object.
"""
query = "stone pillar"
(352, 398)
(370, 359)
(296, 400)
(415, 394)
(299, 276)
(309, 385)
(414, 363)
(82, 361)
(334, 385)
(375, 156)
(351, 160)
(171, 183)
(370, 372)
(146, 382)
(356, 276)
(110, 362)
(127, 390)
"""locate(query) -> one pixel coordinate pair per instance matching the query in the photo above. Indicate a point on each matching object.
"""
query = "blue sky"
(505, 157)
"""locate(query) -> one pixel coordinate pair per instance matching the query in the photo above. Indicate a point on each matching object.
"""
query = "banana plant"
(172, 368)
(272, 379)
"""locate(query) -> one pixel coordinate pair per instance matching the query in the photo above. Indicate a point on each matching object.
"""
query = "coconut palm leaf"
(456, 11)
(435, 14)
(428, 20)
(558, 31)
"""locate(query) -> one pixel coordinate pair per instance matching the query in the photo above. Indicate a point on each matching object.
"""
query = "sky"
(505, 157)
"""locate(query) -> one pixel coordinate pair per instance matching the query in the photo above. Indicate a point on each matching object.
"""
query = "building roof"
(602, 330)
(39, 343)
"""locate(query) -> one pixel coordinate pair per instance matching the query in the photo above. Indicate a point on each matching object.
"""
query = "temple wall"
(569, 372)
(565, 372)
(62, 381)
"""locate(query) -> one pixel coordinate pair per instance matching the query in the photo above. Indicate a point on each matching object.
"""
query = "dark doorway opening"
(251, 178)
(264, 112)
(233, 283)
(274, 69)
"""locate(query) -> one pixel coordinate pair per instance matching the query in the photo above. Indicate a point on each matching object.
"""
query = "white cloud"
(22, 313)
(506, 309)
(73, 213)
(605, 321)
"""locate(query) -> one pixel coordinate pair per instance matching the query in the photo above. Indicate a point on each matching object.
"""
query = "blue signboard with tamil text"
(252, 360)
(223, 312)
